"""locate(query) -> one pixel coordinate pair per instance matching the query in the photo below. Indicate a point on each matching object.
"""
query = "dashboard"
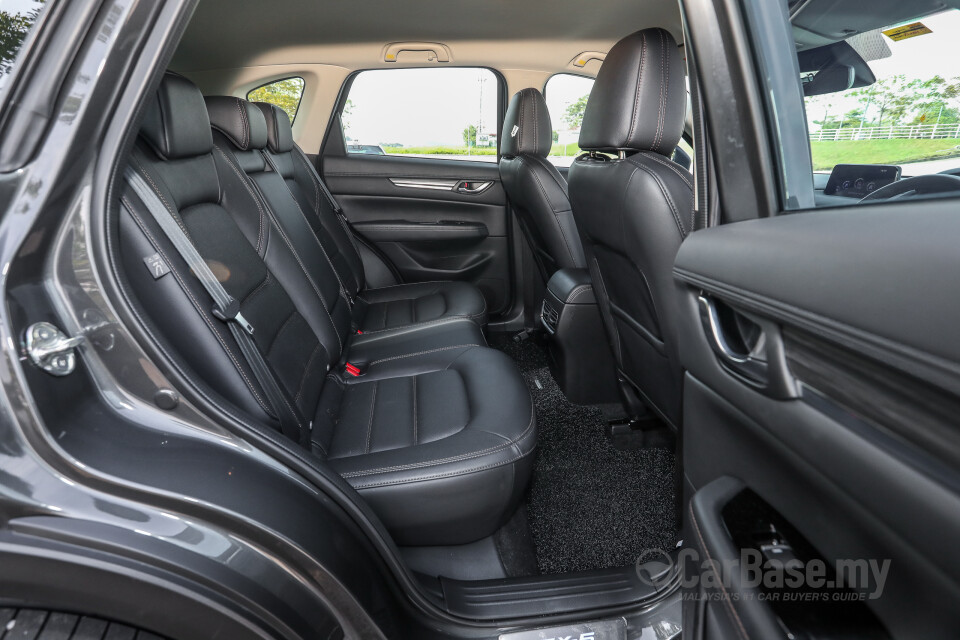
(859, 180)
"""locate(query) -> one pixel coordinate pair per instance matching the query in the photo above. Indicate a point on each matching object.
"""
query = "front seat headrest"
(526, 126)
(279, 129)
(638, 102)
(239, 120)
(175, 124)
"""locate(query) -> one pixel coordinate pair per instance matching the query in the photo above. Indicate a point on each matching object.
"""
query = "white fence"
(928, 131)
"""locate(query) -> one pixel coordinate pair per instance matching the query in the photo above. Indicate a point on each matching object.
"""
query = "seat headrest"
(638, 102)
(239, 120)
(279, 130)
(176, 123)
(526, 126)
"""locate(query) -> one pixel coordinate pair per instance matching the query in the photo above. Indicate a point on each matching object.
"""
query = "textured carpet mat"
(591, 505)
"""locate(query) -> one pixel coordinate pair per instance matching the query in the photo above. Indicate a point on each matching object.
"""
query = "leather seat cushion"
(439, 444)
(417, 303)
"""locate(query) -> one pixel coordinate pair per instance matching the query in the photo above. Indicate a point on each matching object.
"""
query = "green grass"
(442, 151)
(558, 150)
(828, 153)
(565, 149)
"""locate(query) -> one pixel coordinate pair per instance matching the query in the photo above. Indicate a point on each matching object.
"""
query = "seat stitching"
(414, 409)
(156, 190)
(661, 106)
(636, 100)
(286, 240)
(276, 335)
(434, 463)
(616, 333)
(730, 609)
(257, 289)
(426, 323)
(563, 236)
(536, 124)
(420, 353)
(306, 371)
(243, 180)
(373, 410)
(438, 476)
(196, 304)
(575, 294)
(666, 196)
(343, 290)
(656, 157)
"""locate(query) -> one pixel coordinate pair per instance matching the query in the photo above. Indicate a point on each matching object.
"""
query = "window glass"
(285, 93)
(435, 113)
(17, 18)
(907, 119)
(566, 96)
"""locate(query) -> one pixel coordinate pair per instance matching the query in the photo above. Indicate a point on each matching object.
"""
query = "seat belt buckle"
(231, 313)
(352, 370)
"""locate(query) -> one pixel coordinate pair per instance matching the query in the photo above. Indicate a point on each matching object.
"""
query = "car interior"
(538, 357)
(384, 291)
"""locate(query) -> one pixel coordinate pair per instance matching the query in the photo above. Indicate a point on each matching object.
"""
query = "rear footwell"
(590, 506)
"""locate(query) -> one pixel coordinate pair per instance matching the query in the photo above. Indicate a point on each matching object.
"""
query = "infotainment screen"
(859, 180)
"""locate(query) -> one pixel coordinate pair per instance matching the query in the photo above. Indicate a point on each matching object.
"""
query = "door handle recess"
(750, 348)
(473, 187)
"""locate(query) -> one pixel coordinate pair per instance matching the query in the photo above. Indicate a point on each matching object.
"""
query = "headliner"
(234, 33)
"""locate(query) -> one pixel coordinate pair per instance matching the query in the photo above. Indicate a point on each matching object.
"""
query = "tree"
(470, 136)
(347, 112)
(556, 136)
(283, 93)
(14, 27)
(573, 115)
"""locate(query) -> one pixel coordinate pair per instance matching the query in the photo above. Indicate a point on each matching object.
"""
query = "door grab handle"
(763, 364)
(751, 367)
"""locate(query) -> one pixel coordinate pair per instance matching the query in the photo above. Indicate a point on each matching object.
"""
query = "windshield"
(910, 116)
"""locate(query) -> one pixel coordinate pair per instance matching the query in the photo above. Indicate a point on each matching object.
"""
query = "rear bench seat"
(436, 434)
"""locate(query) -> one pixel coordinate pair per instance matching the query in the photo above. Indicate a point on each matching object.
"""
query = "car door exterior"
(822, 374)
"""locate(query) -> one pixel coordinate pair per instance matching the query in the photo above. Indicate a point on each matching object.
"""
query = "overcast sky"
(18, 6)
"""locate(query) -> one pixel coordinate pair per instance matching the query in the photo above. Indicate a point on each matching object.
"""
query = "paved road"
(930, 166)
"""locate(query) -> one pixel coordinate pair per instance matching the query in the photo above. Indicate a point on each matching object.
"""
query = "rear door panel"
(430, 230)
(859, 307)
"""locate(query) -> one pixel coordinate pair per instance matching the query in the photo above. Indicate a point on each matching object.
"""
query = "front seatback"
(634, 210)
(536, 189)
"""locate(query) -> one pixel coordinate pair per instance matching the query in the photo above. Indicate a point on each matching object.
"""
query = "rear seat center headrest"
(239, 120)
(176, 124)
(279, 130)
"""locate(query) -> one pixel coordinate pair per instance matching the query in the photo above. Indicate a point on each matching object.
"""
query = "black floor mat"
(590, 505)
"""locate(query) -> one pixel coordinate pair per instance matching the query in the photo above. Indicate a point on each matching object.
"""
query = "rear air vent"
(549, 316)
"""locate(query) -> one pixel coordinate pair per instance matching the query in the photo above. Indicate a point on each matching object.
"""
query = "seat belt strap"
(226, 307)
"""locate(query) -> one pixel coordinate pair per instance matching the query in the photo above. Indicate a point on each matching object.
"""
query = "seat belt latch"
(231, 313)
(352, 370)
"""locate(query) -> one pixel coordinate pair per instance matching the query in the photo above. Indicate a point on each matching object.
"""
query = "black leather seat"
(634, 210)
(536, 189)
(438, 430)
(375, 309)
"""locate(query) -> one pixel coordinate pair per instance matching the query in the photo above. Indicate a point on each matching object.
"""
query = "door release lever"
(473, 187)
